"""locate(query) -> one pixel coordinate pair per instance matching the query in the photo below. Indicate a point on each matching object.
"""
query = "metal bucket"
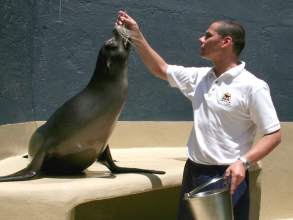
(213, 204)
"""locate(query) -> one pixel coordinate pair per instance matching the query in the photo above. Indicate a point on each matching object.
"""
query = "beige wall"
(277, 175)
(277, 179)
(150, 133)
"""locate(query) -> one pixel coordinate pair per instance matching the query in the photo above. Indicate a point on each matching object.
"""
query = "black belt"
(207, 166)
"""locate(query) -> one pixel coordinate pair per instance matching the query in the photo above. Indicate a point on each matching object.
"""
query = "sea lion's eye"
(113, 46)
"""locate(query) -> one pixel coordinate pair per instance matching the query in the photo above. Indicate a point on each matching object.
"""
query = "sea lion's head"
(113, 56)
(118, 46)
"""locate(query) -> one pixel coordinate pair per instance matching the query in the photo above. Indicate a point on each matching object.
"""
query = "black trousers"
(196, 174)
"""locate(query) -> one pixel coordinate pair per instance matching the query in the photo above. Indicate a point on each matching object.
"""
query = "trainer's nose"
(201, 39)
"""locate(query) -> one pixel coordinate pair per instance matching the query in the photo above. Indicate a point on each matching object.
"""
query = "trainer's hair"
(236, 31)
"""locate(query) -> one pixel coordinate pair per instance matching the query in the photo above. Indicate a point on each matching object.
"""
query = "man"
(229, 105)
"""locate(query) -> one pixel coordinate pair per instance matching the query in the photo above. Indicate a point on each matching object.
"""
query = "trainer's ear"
(227, 41)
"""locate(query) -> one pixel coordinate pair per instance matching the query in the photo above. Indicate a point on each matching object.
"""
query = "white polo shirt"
(227, 111)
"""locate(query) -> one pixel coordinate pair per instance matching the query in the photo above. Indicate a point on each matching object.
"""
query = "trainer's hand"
(237, 173)
(124, 19)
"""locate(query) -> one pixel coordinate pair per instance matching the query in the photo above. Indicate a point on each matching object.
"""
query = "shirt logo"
(226, 98)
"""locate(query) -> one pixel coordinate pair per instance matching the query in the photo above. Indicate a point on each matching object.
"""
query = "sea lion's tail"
(107, 160)
(24, 174)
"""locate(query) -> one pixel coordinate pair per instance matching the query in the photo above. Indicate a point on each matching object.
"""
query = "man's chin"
(205, 57)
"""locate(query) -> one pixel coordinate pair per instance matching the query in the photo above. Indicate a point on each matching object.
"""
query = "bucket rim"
(203, 194)
(198, 193)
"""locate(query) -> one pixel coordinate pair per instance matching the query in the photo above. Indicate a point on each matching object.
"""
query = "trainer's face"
(210, 42)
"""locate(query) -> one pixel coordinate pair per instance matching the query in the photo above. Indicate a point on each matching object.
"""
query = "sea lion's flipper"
(24, 174)
(106, 159)
(32, 171)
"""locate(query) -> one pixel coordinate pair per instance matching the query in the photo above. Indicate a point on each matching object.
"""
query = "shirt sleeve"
(263, 112)
(183, 78)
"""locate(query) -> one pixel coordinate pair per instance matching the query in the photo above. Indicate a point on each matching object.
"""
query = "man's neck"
(224, 65)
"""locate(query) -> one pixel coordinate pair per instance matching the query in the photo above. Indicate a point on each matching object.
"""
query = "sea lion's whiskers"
(125, 34)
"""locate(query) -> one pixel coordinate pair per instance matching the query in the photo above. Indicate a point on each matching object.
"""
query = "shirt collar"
(235, 71)
(231, 73)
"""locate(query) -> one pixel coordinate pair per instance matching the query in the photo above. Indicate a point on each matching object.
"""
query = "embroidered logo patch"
(226, 98)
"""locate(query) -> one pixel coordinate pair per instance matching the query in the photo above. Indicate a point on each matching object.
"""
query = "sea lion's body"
(76, 135)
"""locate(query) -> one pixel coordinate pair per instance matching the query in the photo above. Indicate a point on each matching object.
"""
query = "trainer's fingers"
(228, 173)
(120, 19)
(123, 13)
(122, 16)
(233, 180)
(233, 184)
(118, 22)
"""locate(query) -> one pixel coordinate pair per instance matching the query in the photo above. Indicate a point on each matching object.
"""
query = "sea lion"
(76, 134)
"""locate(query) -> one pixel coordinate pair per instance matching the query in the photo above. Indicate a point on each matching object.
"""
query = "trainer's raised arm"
(153, 61)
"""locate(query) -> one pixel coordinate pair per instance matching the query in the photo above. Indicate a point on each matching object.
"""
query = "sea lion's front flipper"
(106, 159)
(32, 171)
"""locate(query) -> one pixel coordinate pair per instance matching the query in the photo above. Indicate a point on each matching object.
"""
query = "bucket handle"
(212, 181)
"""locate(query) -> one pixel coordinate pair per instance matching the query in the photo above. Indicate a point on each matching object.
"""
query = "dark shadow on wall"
(155, 205)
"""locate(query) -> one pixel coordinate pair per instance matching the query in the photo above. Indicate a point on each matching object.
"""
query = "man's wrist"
(246, 163)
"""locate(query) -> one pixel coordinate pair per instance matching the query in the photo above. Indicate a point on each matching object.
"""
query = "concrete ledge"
(56, 198)
(155, 205)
